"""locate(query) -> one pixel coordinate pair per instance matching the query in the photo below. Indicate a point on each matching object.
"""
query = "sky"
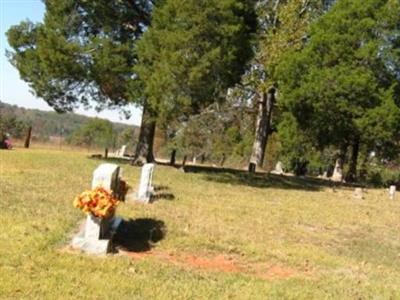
(13, 90)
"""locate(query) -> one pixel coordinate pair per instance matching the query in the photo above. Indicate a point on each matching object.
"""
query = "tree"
(83, 53)
(192, 52)
(283, 26)
(9, 124)
(342, 88)
(96, 132)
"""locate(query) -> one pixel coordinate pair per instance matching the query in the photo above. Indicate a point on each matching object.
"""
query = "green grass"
(333, 246)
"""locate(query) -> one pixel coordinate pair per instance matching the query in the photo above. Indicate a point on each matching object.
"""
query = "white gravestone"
(95, 236)
(145, 186)
(121, 152)
(278, 169)
(392, 192)
(323, 175)
(358, 193)
(106, 176)
(337, 172)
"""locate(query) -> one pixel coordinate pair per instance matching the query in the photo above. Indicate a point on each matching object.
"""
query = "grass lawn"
(226, 236)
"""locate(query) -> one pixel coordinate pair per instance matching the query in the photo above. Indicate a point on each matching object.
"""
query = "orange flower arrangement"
(98, 202)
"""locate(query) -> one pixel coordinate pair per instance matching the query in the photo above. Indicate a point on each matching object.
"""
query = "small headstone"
(323, 175)
(122, 151)
(392, 192)
(337, 172)
(358, 193)
(95, 236)
(145, 186)
(278, 169)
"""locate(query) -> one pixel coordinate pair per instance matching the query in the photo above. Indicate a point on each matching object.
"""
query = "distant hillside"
(48, 123)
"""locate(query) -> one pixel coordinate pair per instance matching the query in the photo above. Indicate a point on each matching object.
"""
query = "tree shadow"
(115, 160)
(139, 235)
(162, 196)
(158, 188)
(261, 179)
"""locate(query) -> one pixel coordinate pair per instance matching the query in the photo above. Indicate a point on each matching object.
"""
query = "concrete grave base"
(95, 237)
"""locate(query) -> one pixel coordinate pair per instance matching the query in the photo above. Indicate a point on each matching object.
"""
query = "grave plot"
(100, 205)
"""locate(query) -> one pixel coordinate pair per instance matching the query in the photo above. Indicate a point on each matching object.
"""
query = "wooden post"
(222, 162)
(173, 158)
(252, 167)
(106, 153)
(203, 158)
(184, 161)
(28, 137)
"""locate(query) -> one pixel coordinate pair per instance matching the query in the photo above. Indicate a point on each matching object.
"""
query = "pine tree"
(192, 52)
(83, 53)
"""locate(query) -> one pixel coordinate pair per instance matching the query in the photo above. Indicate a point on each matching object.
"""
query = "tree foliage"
(341, 88)
(96, 132)
(82, 52)
(192, 52)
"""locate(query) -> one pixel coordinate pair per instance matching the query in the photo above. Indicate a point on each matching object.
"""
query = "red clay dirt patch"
(219, 263)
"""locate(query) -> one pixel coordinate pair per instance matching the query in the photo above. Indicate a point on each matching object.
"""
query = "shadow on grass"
(139, 235)
(112, 160)
(259, 180)
(159, 188)
(162, 196)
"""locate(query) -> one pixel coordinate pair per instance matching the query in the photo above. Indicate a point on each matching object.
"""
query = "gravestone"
(358, 193)
(337, 172)
(324, 175)
(392, 192)
(95, 236)
(121, 152)
(106, 176)
(278, 169)
(145, 186)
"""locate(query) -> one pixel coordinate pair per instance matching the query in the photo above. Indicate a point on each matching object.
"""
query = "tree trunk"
(184, 161)
(352, 173)
(28, 137)
(265, 106)
(144, 147)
